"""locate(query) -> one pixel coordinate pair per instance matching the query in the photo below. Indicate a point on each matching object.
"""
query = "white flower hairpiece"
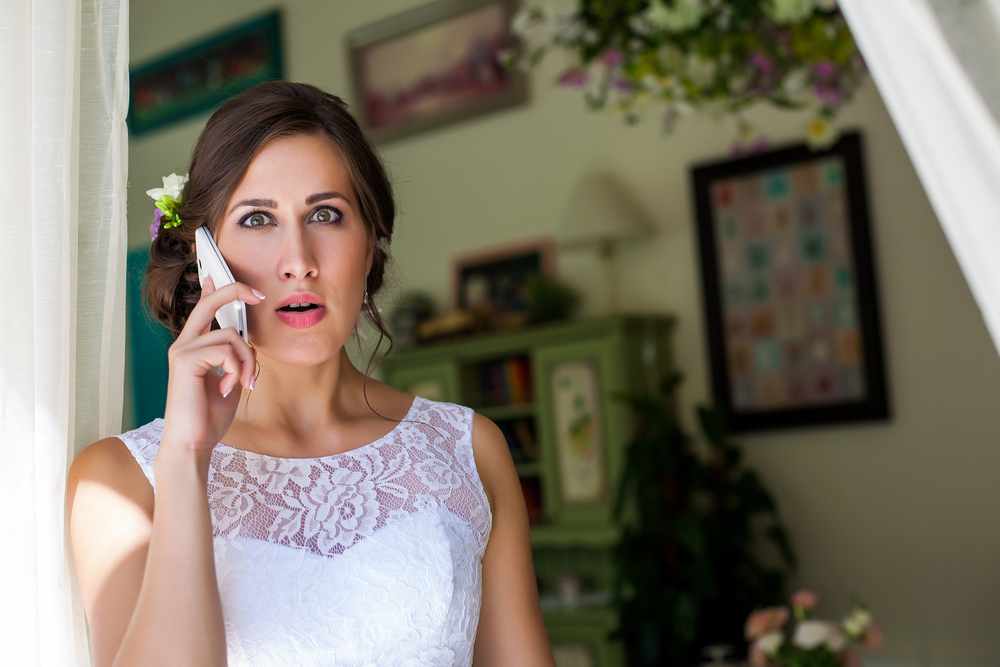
(168, 199)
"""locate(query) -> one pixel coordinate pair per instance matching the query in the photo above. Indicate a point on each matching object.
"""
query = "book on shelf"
(532, 499)
(520, 436)
(506, 381)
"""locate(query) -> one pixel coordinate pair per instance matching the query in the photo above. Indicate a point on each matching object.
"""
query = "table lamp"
(602, 215)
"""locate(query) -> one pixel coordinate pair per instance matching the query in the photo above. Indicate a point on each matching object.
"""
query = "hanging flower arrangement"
(711, 56)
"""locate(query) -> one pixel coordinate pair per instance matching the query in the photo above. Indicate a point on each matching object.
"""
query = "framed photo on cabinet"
(789, 285)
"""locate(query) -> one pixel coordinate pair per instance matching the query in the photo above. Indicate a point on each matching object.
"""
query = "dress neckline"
(397, 427)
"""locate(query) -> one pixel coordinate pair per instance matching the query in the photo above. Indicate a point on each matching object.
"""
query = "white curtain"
(935, 63)
(63, 161)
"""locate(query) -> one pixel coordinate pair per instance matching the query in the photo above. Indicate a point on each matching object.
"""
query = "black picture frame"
(769, 378)
(202, 75)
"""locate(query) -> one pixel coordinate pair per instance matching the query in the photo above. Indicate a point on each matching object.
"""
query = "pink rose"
(873, 638)
(804, 599)
(850, 659)
(765, 620)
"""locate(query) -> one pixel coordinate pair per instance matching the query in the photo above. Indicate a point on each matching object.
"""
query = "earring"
(365, 300)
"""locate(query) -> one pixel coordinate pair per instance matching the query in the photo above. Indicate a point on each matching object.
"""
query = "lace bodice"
(369, 557)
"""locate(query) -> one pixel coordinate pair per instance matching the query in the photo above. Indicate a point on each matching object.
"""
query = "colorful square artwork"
(773, 239)
(789, 287)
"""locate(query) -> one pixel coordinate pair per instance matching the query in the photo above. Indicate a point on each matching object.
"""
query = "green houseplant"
(688, 566)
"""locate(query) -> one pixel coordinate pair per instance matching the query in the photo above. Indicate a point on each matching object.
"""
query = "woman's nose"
(297, 260)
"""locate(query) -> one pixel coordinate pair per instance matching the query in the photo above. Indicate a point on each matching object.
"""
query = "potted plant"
(688, 569)
(702, 56)
(809, 642)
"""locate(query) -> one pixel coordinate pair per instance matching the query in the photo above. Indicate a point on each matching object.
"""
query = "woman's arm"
(148, 577)
(511, 631)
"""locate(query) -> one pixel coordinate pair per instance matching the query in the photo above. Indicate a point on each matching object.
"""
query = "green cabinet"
(552, 391)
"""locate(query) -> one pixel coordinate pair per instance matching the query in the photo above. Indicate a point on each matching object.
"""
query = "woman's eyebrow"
(257, 203)
(322, 196)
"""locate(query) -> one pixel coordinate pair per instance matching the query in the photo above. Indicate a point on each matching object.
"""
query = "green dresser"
(552, 391)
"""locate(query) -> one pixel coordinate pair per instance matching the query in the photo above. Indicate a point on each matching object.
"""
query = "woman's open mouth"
(301, 314)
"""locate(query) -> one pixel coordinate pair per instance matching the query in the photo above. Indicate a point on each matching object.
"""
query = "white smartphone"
(211, 265)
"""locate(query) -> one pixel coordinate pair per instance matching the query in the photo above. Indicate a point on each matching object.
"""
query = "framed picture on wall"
(502, 275)
(435, 65)
(202, 75)
(789, 285)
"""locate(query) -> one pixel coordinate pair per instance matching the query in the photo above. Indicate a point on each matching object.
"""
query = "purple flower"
(830, 96)
(759, 145)
(154, 227)
(612, 58)
(622, 84)
(574, 77)
(762, 62)
(826, 69)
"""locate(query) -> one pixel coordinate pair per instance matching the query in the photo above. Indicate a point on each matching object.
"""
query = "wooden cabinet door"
(582, 426)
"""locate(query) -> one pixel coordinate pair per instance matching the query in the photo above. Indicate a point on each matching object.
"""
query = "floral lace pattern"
(371, 556)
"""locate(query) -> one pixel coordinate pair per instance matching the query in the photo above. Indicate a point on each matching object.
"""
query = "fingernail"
(228, 392)
(257, 294)
(252, 380)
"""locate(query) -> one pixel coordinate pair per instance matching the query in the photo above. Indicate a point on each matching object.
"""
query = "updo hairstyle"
(233, 137)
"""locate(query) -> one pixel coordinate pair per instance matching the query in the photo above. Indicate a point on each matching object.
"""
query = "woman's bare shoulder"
(493, 461)
(109, 463)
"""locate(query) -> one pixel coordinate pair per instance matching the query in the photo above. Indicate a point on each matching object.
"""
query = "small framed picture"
(790, 291)
(200, 76)
(501, 276)
(435, 65)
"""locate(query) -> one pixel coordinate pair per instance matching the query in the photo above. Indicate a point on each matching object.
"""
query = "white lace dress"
(370, 557)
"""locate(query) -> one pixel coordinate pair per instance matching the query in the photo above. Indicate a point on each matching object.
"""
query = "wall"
(904, 514)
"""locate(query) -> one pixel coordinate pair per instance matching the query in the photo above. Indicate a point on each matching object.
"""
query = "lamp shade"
(601, 212)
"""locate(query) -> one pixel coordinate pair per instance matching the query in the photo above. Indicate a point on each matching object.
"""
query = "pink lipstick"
(301, 310)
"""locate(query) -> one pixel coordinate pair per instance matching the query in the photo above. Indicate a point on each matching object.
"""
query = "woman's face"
(292, 231)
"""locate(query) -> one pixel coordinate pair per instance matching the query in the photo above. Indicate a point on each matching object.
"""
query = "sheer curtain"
(63, 161)
(935, 63)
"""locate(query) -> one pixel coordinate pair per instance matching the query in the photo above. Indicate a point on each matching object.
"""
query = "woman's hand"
(200, 404)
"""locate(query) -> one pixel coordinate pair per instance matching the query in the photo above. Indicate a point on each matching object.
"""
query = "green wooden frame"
(167, 89)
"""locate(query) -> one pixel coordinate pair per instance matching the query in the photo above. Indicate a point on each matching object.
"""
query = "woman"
(314, 517)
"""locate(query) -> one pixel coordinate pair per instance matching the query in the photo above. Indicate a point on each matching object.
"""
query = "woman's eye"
(255, 220)
(327, 215)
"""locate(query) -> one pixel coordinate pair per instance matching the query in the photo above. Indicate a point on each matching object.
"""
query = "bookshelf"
(551, 390)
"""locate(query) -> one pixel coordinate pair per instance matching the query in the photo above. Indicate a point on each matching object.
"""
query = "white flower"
(788, 11)
(810, 634)
(820, 133)
(770, 642)
(172, 187)
(684, 14)
(795, 81)
(701, 70)
(523, 21)
(858, 621)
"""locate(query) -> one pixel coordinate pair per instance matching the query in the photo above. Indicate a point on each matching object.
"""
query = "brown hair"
(233, 137)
